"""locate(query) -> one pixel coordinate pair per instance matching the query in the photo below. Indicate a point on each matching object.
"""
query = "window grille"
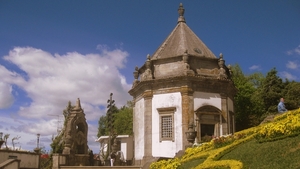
(166, 123)
(167, 127)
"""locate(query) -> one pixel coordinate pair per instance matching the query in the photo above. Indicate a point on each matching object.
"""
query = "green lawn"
(192, 163)
(278, 154)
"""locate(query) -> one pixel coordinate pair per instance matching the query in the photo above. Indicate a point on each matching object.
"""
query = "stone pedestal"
(58, 160)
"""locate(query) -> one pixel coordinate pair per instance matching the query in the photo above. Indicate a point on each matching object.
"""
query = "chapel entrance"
(207, 130)
(209, 122)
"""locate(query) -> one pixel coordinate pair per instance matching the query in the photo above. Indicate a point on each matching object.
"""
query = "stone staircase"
(269, 118)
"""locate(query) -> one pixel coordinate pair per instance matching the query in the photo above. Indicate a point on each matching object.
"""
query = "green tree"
(242, 101)
(124, 121)
(258, 107)
(292, 95)
(272, 91)
(102, 131)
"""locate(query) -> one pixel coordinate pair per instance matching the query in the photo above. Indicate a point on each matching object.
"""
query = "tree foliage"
(259, 95)
(102, 123)
(292, 95)
(246, 98)
(272, 91)
(122, 121)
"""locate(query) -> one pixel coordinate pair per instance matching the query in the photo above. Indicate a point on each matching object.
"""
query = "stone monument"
(75, 148)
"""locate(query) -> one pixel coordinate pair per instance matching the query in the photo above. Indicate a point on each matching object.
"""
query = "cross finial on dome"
(181, 13)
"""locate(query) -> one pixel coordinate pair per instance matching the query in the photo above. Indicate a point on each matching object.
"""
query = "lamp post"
(1, 140)
(38, 141)
(37, 149)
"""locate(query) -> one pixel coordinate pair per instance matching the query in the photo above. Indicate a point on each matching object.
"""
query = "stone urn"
(191, 133)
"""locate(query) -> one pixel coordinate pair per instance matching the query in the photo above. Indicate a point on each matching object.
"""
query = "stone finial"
(148, 62)
(77, 106)
(221, 56)
(181, 13)
(222, 71)
(221, 61)
(136, 76)
(185, 59)
(136, 73)
(185, 56)
(147, 75)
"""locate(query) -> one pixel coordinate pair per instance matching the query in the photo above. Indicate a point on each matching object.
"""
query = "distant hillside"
(274, 144)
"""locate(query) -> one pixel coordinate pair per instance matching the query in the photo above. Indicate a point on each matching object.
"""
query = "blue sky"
(55, 51)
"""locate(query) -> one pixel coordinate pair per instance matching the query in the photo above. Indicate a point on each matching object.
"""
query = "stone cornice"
(194, 82)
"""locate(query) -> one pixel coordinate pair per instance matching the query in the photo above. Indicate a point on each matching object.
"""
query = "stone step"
(269, 118)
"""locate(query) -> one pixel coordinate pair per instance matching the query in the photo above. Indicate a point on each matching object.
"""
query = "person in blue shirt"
(281, 106)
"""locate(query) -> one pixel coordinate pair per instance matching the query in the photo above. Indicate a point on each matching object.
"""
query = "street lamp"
(1, 140)
(37, 149)
(38, 141)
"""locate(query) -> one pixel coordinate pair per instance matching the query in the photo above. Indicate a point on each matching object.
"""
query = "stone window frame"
(163, 112)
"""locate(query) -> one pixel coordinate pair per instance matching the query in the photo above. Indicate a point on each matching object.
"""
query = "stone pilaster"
(225, 113)
(148, 95)
(187, 111)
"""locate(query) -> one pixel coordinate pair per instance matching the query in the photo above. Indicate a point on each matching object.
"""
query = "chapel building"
(183, 84)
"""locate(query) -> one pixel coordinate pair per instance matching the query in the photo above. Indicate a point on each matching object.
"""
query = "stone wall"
(29, 160)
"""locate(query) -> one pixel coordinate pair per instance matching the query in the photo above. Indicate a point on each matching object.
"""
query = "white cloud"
(289, 52)
(254, 67)
(53, 80)
(102, 47)
(292, 65)
(286, 75)
(294, 51)
(297, 50)
(6, 96)
(27, 131)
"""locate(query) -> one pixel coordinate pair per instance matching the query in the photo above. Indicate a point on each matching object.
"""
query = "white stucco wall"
(138, 129)
(166, 148)
(203, 99)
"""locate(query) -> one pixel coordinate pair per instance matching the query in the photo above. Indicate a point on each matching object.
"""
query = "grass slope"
(278, 154)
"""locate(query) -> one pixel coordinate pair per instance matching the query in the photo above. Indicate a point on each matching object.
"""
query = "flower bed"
(285, 125)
